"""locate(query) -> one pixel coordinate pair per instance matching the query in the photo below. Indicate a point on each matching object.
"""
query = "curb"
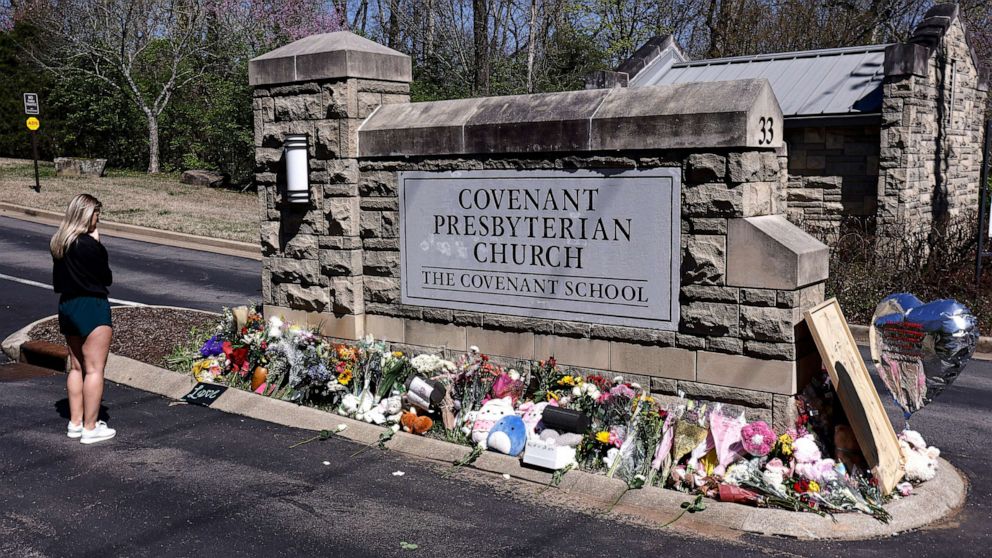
(651, 506)
(143, 234)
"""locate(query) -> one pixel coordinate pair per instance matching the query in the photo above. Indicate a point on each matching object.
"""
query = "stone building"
(890, 135)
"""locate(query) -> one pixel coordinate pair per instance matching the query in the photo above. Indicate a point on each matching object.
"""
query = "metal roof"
(836, 81)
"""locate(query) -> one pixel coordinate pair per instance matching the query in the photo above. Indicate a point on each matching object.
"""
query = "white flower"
(618, 379)
(474, 350)
(576, 391)
(774, 479)
(514, 375)
(635, 386)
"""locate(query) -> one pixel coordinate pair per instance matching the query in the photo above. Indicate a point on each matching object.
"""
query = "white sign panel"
(590, 246)
(31, 103)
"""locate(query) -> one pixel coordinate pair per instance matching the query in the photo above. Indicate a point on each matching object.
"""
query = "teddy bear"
(388, 410)
(486, 418)
(508, 435)
(921, 460)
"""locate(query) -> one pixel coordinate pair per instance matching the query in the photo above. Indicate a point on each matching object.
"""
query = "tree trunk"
(531, 37)
(153, 166)
(394, 24)
(480, 35)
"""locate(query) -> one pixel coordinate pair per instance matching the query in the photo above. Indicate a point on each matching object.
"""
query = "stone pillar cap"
(341, 54)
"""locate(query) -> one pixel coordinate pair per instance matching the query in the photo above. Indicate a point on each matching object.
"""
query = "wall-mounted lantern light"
(297, 168)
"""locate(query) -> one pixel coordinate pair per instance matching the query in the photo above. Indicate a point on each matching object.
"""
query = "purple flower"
(212, 347)
(758, 438)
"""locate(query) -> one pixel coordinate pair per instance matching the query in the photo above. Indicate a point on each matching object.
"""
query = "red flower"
(238, 357)
(552, 362)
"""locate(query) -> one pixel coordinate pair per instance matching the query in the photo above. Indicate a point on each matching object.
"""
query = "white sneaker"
(100, 433)
(74, 430)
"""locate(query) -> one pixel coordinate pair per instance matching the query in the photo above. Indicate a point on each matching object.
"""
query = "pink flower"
(617, 434)
(758, 438)
(622, 389)
(904, 488)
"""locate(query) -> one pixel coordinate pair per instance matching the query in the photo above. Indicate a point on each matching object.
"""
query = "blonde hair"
(78, 220)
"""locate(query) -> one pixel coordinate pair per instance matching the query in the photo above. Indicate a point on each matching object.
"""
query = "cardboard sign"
(204, 394)
(857, 393)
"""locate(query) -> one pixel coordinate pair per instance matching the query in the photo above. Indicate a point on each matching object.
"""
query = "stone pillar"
(323, 86)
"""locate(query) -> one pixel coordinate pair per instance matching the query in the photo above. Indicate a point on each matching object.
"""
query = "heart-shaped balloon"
(920, 349)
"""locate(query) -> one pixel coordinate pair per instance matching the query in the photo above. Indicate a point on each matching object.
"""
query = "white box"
(547, 455)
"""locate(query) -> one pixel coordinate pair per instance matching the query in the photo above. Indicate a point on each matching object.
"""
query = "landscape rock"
(205, 178)
(75, 167)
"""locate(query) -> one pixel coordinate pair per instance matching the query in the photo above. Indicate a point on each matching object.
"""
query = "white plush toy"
(921, 460)
(492, 411)
(388, 410)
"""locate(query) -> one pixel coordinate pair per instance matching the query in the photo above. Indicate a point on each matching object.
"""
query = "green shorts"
(80, 315)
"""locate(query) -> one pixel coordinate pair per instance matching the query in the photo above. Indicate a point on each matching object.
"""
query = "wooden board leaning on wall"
(857, 394)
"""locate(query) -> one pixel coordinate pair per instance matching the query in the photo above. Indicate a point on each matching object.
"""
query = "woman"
(82, 274)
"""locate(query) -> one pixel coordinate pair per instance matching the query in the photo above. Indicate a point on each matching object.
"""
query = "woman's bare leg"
(74, 381)
(95, 350)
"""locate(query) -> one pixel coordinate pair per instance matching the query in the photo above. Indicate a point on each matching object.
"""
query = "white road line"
(49, 287)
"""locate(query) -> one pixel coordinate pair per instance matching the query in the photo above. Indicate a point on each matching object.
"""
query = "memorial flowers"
(625, 432)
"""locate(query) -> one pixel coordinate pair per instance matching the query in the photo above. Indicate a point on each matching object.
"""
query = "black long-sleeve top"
(84, 269)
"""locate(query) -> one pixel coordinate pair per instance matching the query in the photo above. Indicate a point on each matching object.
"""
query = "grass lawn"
(156, 201)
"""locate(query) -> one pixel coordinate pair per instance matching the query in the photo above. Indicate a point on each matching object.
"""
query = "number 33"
(767, 130)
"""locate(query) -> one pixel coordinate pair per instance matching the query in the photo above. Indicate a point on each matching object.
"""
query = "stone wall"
(746, 273)
(931, 135)
(833, 175)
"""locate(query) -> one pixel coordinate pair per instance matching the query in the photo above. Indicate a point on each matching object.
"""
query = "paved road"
(145, 273)
(184, 480)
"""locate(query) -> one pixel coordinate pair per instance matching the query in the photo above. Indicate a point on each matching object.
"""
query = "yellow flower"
(397, 354)
(344, 377)
(785, 444)
(814, 486)
(566, 381)
(603, 437)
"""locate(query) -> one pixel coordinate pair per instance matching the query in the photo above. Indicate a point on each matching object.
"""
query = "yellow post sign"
(33, 124)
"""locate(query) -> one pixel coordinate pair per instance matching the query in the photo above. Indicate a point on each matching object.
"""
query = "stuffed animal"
(568, 439)
(487, 417)
(508, 435)
(531, 413)
(387, 410)
(846, 448)
(413, 424)
(921, 460)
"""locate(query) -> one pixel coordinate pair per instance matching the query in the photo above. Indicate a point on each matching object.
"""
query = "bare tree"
(145, 49)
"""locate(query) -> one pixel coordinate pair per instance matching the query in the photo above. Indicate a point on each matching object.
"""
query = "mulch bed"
(147, 334)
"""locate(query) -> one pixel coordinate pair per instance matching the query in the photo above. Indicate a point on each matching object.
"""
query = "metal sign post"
(983, 209)
(32, 107)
